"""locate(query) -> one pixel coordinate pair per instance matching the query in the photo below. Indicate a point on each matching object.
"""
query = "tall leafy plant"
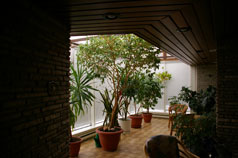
(81, 91)
(130, 92)
(149, 91)
(112, 56)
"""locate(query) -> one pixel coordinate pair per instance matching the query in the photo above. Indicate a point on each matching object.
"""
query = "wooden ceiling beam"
(103, 32)
(156, 21)
(124, 4)
(164, 39)
(124, 9)
(117, 20)
(112, 24)
(161, 44)
(140, 14)
(109, 28)
(194, 23)
(164, 48)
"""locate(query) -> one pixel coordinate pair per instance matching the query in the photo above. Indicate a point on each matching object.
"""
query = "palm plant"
(81, 91)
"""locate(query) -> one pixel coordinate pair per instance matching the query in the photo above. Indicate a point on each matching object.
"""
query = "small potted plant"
(149, 93)
(81, 97)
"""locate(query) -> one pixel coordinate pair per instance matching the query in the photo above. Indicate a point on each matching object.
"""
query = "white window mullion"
(165, 91)
(93, 122)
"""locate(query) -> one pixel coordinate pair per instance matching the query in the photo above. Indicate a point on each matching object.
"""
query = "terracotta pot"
(125, 124)
(74, 147)
(136, 121)
(147, 117)
(109, 140)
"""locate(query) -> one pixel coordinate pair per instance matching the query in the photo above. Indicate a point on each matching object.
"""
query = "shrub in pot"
(81, 97)
(129, 94)
(132, 91)
(148, 94)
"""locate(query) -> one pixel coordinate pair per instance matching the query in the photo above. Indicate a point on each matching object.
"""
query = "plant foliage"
(80, 90)
(164, 76)
(198, 134)
(149, 91)
(200, 102)
(118, 57)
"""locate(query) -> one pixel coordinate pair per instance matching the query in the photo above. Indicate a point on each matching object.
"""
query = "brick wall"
(206, 75)
(227, 74)
(34, 95)
(227, 96)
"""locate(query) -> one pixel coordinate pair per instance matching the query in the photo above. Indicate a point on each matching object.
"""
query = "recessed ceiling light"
(111, 16)
(199, 51)
(184, 29)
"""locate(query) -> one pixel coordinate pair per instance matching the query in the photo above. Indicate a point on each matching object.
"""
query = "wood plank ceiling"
(158, 21)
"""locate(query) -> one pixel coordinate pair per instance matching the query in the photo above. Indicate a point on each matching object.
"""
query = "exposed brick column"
(227, 95)
(227, 74)
(207, 75)
(34, 94)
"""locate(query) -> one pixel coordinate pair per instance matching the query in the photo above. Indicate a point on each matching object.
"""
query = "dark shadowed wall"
(34, 64)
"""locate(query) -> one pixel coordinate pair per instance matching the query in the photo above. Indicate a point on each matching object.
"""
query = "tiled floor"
(131, 145)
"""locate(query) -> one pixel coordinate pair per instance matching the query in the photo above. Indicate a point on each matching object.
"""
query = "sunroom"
(35, 64)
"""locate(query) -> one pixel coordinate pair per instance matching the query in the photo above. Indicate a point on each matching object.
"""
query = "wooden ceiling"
(157, 21)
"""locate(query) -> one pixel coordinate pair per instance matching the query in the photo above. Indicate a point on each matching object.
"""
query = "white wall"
(180, 77)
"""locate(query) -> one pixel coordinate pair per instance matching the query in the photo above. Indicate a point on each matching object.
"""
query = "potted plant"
(135, 83)
(148, 95)
(136, 118)
(125, 122)
(81, 97)
(111, 56)
(129, 94)
(200, 137)
(109, 137)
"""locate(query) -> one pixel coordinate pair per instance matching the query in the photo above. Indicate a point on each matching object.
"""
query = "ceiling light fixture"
(199, 51)
(111, 16)
(184, 29)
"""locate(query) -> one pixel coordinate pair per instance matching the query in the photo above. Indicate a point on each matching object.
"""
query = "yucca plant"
(81, 91)
(108, 106)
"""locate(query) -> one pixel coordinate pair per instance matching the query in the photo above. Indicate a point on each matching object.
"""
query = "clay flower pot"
(136, 121)
(147, 117)
(74, 147)
(109, 140)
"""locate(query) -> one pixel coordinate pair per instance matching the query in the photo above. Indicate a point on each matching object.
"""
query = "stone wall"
(34, 64)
